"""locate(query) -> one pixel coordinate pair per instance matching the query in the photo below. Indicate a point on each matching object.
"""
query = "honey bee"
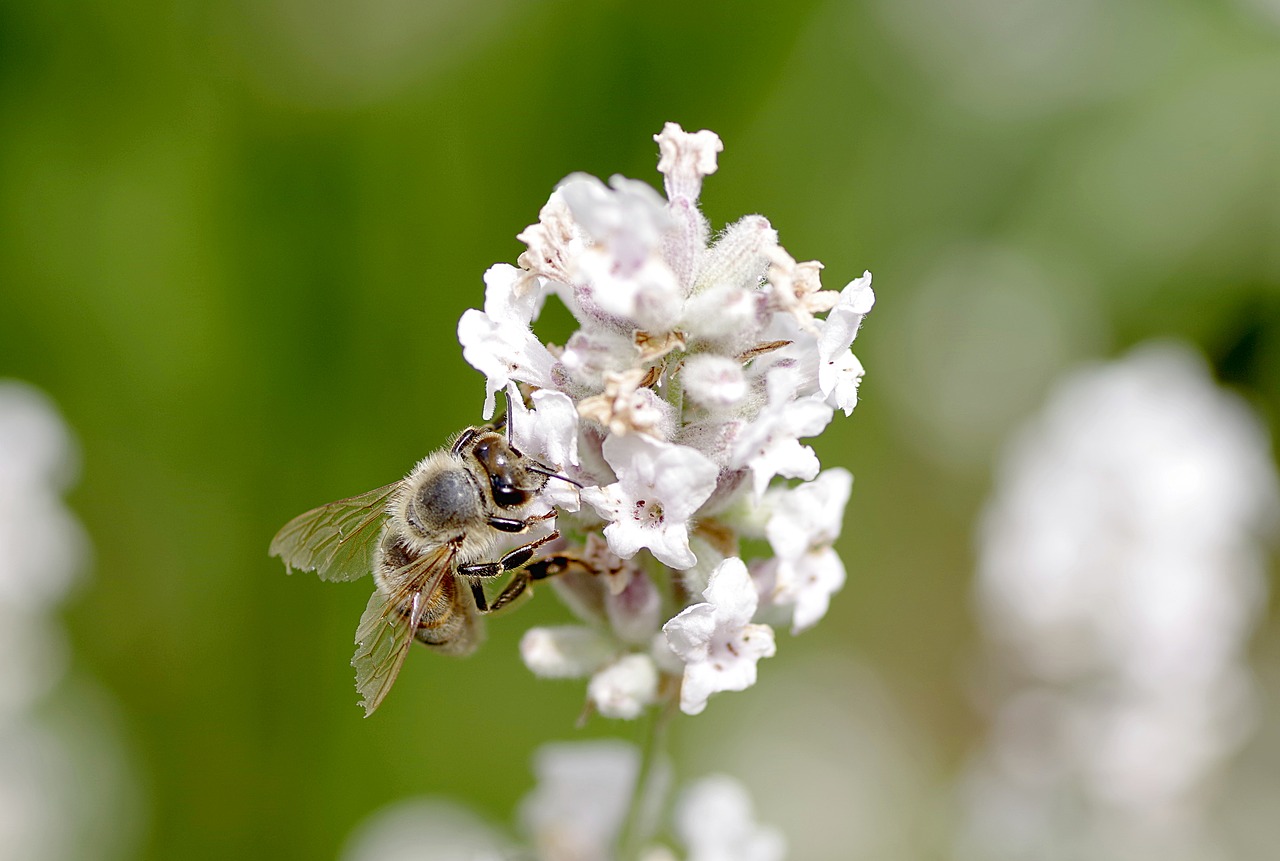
(427, 540)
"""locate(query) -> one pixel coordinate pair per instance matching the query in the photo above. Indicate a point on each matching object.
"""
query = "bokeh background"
(236, 238)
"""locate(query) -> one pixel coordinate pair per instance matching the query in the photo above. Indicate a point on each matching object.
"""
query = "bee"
(427, 540)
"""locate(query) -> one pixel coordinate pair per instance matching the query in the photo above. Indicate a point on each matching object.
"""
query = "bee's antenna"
(541, 469)
(550, 473)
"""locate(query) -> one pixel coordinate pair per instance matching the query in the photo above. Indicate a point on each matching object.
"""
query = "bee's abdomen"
(391, 563)
(446, 626)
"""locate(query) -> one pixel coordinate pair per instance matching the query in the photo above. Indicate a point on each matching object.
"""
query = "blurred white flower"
(576, 810)
(627, 217)
(59, 795)
(42, 547)
(634, 611)
(832, 760)
(716, 639)
(715, 821)
(623, 689)
(715, 382)
(426, 828)
(565, 652)
(619, 658)
(1120, 573)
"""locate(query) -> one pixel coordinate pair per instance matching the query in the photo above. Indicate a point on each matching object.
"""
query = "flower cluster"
(578, 812)
(679, 404)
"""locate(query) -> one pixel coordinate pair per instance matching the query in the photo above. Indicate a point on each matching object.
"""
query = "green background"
(236, 238)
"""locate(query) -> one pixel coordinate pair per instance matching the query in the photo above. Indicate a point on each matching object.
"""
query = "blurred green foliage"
(235, 239)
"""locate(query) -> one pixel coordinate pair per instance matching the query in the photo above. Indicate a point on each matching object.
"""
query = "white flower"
(769, 445)
(807, 516)
(660, 486)
(803, 525)
(591, 354)
(550, 430)
(553, 243)
(839, 371)
(623, 689)
(622, 280)
(796, 288)
(645, 294)
(628, 217)
(628, 407)
(805, 583)
(841, 375)
(712, 381)
(717, 640)
(548, 433)
(498, 341)
(686, 158)
(714, 820)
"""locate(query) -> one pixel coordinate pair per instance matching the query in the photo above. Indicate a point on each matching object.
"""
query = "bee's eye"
(483, 451)
(493, 457)
(508, 497)
(506, 494)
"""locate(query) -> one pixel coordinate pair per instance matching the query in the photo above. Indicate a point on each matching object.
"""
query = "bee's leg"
(511, 524)
(548, 566)
(515, 560)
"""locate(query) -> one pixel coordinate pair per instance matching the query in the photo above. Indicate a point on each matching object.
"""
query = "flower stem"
(647, 798)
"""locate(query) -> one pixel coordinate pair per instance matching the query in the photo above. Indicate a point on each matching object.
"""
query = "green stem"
(673, 390)
(637, 828)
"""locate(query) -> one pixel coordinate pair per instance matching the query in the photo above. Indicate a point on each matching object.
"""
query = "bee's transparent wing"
(336, 540)
(390, 621)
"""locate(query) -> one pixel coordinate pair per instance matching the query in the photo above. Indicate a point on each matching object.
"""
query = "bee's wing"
(336, 540)
(390, 621)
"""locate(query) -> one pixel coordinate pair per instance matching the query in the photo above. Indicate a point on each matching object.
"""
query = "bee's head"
(512, 479)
